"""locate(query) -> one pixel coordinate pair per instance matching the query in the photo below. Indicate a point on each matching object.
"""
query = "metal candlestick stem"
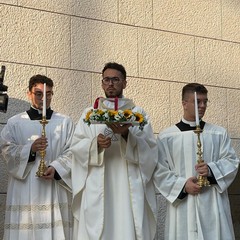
(42, 166)
(201, 180)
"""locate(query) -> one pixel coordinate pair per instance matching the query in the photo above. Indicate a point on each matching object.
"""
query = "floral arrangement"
(120, 116)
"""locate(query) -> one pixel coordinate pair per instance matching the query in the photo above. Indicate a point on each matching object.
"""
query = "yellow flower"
(100, 112)
(112, 113)
(88, 115)
(139, 117)
(127, 113)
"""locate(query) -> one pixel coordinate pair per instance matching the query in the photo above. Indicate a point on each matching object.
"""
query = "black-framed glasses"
(114, 80)
(39, 95)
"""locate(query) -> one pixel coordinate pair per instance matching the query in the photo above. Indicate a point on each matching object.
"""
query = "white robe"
(113, 192)
(205, 216)
(37, 209)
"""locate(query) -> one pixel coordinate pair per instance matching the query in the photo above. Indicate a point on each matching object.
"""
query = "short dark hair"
(193, 87)
(34, 80)
(116, 66)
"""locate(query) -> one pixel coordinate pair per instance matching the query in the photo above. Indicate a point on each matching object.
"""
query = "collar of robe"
(184, 126)
(36, 114)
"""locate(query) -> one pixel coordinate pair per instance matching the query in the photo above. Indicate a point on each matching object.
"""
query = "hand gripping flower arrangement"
(102, 116)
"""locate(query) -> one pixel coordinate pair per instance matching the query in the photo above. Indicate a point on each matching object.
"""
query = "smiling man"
(113, 192)
(195, 212)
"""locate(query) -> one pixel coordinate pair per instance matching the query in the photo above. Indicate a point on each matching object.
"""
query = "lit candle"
(44, 101)
(196, 109)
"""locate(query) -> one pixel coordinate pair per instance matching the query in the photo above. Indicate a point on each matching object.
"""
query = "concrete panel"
(202, 18)
(233, 112)
(14, 2)
(96, 9)
(175, 96)
(60, 6)
(166, 56)
(136, 13)
(31, 36)
(217, 112)
(230, 20)
(72, 91)
(153, 97)
(94, 43)
(217, 63)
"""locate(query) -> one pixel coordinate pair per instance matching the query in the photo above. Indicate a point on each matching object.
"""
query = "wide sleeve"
(166, 180)
(224, 164)
(14, 152)
(63, 161)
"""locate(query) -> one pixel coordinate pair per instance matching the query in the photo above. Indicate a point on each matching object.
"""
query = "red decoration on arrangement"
(116, 103)
(95, 106)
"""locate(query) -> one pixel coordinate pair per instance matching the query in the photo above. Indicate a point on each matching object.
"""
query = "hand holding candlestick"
(202, 181)
(42, 166)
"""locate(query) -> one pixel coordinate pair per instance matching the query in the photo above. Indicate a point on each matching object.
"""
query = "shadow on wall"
(15, 106)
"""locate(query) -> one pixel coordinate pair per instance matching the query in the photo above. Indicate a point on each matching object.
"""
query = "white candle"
(196, 109)
(44, 101)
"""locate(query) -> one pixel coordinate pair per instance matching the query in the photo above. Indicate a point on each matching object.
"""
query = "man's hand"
(39, 144)
(120, 128)
(191, 186)
(103, 142)
(202, 169)
(49, 173)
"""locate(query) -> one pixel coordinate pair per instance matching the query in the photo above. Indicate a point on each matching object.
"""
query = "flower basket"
(103, 116)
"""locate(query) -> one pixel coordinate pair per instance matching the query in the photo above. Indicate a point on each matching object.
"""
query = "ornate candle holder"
(42, 166)
(201, 180)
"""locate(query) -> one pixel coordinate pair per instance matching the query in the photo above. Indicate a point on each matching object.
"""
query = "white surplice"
(205, 216)
(37, 209)
(113, 192)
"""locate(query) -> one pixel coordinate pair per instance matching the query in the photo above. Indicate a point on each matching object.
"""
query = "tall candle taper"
(44, 101)
(196, 109)
(42, 166)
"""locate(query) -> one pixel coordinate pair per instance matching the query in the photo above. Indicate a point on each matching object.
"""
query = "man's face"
(189, 105)
(36, 96)
(113, 83)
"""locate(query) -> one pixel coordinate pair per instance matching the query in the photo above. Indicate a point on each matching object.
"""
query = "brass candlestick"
(201, 180)
(42, 166)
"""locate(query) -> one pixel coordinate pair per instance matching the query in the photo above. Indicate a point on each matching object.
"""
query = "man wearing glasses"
(38, 207)
(196, 190)
(113, 192)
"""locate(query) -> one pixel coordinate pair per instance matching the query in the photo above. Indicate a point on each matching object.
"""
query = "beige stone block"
(202, 18)
(175, 96)
(94, 43)
(217, 112)
(14, 2)
(96, 9)
(217, 63)
(138, 13)
(72, 91)
(153, 97)
(60, 6)
(167, 56)
(31, 36)
(233, 99)
(231, 20)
